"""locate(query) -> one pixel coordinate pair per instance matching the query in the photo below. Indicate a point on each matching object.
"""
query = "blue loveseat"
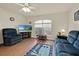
(68, 46)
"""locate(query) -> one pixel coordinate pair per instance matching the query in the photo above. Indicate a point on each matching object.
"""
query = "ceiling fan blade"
(32, 7)
(20, 4)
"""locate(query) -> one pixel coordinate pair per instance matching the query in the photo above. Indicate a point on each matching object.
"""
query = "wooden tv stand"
(25, 35)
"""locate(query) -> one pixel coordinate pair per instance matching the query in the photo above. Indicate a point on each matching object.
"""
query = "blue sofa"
(10, 36)
(68, 46)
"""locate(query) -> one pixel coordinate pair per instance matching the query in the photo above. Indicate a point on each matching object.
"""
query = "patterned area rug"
(40, 50)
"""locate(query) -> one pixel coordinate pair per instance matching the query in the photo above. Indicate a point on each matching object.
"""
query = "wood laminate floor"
(18, 49)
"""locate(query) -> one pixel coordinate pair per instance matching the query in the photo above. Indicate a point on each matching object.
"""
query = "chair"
(10, 36)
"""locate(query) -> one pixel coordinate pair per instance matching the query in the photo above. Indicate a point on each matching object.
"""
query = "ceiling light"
(25, 9)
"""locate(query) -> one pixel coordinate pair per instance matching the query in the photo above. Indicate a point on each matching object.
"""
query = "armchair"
(10, 36)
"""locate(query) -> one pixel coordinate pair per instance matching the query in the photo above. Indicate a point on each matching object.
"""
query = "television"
(25, 28)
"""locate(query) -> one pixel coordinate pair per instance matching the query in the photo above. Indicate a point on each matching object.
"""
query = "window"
(43, 27)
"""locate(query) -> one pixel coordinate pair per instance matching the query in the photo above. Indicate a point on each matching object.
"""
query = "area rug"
(40, 50)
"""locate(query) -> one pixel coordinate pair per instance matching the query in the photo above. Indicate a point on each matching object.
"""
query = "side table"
(62, 37)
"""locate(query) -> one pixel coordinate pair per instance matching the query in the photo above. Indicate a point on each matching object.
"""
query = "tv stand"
(25, 35)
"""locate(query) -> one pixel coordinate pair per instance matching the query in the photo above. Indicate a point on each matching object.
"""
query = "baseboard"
(1, 44)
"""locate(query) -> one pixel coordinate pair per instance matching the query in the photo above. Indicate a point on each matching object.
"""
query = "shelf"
(25, 35)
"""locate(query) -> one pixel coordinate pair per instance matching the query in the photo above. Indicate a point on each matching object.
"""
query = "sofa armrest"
(19, 34)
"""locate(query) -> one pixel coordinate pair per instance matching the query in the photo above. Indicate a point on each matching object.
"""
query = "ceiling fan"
(26, 7)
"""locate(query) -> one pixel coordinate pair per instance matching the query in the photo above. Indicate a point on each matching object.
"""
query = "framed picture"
(12, 18)
(76, 15)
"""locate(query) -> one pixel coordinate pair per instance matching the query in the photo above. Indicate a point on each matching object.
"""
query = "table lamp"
(62, 32)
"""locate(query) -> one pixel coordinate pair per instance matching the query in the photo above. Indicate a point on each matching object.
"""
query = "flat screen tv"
(24, 28)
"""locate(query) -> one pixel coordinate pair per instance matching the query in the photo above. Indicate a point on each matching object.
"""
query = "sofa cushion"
(76, 43)
(72, 36)
(58, 40)
(68, 48)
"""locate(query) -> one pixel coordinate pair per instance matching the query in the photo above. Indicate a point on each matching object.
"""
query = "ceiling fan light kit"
(25, 9)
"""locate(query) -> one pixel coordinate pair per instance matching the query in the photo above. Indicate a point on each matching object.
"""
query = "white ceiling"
(40, 8)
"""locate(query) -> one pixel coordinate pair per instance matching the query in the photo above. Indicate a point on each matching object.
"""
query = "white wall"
(5, 20)
(73, 25)
(59, 21)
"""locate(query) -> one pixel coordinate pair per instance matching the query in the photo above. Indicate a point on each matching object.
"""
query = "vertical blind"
(43, 27)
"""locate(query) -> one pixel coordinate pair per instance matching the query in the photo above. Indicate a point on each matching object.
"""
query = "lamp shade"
(62, 31)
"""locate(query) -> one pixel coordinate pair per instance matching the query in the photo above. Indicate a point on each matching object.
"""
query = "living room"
(58, 17)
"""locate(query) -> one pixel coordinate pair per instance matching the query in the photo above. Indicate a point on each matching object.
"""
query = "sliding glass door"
(43, 27)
